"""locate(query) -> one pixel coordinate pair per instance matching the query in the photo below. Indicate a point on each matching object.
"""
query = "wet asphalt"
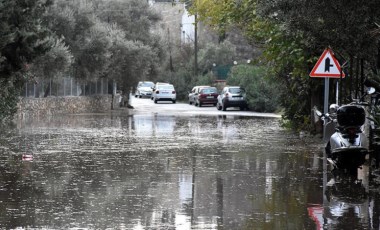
(174, 166)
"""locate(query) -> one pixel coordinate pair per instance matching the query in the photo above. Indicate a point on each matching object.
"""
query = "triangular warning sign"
(327, 66)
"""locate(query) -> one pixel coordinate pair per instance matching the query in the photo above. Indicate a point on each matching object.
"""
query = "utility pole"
(193, 3)
(195, 45)
(170, 52)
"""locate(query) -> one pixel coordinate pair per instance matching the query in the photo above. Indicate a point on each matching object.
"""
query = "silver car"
(144, 89)
(232, 96)
(164, 92)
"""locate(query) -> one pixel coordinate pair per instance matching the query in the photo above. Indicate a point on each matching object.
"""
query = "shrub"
(262, 94)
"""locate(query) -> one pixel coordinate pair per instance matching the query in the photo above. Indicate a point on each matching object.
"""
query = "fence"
(67, 86)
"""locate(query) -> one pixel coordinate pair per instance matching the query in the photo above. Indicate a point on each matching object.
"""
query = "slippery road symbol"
(328, 65)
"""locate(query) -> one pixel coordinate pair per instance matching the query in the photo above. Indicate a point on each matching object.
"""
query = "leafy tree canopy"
(23, 38)
(293, 34)
(22, 34)
(109, 39)
(95, 38)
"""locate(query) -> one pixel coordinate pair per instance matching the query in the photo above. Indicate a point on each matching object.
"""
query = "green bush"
(180, 80)
(262, 94)
(8, 100)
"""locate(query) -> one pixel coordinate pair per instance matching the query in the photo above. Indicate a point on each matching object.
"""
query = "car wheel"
(173, 101)
(136, 95)
(190, 103)
(155, 101)
(218, 107)
(199, 104)
(224, 107)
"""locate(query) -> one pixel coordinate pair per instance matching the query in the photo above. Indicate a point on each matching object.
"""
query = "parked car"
(155, 86)
(207, 95)
(232, 96)
(164, 92)
(194, 92)
(144, 89)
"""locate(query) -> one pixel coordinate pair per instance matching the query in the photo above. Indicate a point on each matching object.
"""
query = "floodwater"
(152, 171)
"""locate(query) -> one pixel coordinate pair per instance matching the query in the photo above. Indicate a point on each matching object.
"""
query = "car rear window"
(209, 90)
(170, 87)
(236, 90)
(147, 84)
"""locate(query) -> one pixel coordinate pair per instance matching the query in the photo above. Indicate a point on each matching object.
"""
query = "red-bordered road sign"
(327, 66)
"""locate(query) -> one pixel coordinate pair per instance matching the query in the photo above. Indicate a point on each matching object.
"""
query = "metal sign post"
(337, 93)
(327, 67)
(326, 105)
(326, 99)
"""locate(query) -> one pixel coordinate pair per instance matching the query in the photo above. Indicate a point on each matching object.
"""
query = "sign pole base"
(326, 104)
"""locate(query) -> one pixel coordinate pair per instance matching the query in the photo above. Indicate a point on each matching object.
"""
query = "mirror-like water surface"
(100, 171)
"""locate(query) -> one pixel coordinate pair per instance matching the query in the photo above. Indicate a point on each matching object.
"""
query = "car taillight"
(351, 132)
(173, 92)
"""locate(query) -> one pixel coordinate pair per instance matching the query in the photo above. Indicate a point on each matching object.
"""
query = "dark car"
(208, 95)
(232, 96)
(194, 92)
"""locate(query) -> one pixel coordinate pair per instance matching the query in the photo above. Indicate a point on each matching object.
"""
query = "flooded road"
(173, 166)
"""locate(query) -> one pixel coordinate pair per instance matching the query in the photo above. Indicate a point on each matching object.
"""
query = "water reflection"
(148, 125)
(349, 201)
(158, 172)
(346, 200)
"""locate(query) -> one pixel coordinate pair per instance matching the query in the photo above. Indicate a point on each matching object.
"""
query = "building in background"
(169, 28)
(187, 27)
(177, 27)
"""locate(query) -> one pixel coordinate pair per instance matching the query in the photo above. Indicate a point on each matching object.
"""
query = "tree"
(261, 92)
(23, 39)
(221, 54)
(132, 16)
(294, 33)
(109, 39)
(54, 62)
